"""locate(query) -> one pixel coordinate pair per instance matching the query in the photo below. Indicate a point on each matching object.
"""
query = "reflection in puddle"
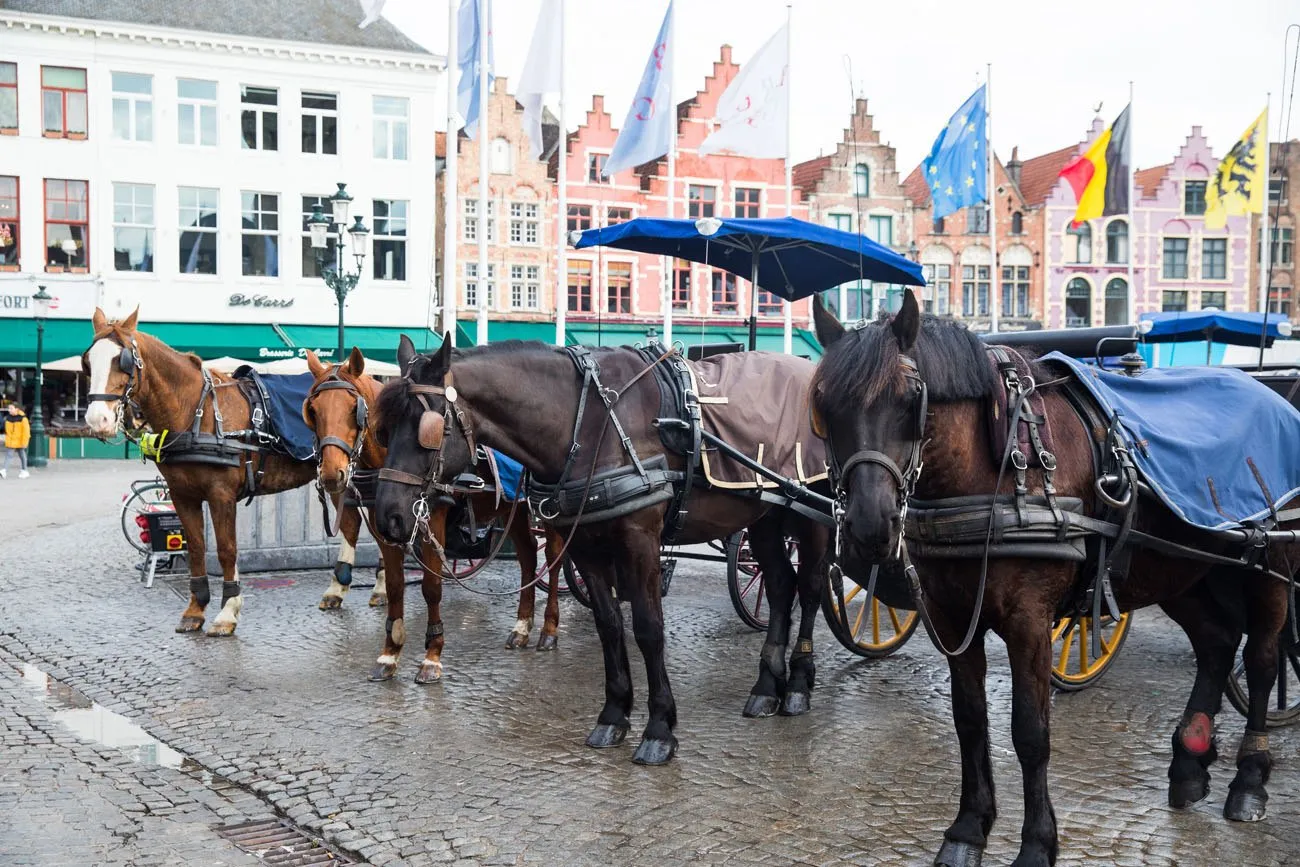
(93, 722)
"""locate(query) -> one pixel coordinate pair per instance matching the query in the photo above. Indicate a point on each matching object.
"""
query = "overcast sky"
(1204, 62)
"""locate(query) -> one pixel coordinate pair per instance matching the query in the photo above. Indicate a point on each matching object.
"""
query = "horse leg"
(232, 600)
(612, 723)
(395, 623)
(1029, 647)
(550, 637)
(341, 580)
(658, 744)
(431, 668)
(1265, 605)
(526, 555)
(966, 837)
(190, 513)
(767, 543)
(813, 541)
(379, 593)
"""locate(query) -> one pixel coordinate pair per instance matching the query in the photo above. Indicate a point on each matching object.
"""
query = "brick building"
(1283, 218)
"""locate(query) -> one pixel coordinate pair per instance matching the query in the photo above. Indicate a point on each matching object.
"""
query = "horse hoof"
(956, 854)
(430, 672)
(221, 630)
(796, 703)
(383, 671)
(547, 642)
(515, 641)
(1185, 793)
(654, 751)
(190, 624)
(761, 706)
(604, 736)
(329, 603)
(1244, 805)
(378, 600)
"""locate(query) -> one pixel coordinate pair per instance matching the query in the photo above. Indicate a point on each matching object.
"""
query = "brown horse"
(870, 399)
(133, 372)
(338, 410)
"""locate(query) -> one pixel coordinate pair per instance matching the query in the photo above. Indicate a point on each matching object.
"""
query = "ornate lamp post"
(339, 281)
(37, 454)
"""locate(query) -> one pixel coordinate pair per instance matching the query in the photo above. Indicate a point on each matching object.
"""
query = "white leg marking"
(347, 554)
(335, 589)
(523, 627)
(230, 611)
(386, 659)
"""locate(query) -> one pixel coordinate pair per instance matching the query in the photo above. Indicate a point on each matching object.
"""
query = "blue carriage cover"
(1194, 433)
(285, 395)
(511, 474)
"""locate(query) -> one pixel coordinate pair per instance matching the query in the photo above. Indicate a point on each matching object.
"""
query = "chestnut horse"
(131, 371)
(869, 400)
(338, 410)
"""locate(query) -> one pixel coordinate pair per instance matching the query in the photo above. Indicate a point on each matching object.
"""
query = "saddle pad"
(1217, 447)
(285, 396)
(757, 402)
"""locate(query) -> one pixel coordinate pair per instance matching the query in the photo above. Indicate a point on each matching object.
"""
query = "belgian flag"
(1100, 177)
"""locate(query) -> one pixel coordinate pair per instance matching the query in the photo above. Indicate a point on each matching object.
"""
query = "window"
(1214, 259)
(938, 278)
(391, 127)
(470, 223)
(768, 304)
(67, 225)
(516, 286)
(681, 284)
(620, 287)
(748, 200)
(198, 230)
(1175, 260)
(1078, 303)
(975, 290)
(726, 300)
(260, 121)
(133, 224)
(9, 222)
(1194, 198)
(580, 286)
(260, 234)
(320, 123)
(499, 162)
(390, 239)
(471, 285)
(524, 226)
(936, 226)
(1173, 301)
(1283, 247)
(1117, 244)
(1081, 235)
(1017, 223)
(881, 229)
(9, 98)
(595, 166)
(1279, 300)
(861, 180)
(63, 102)
(579, 218)
(525, 286)
(843, 222)
(1217, 300)
(533, 288)
(196, 112)
(700, 201)
(977, 220)
(132, 106)
(1276, 188)
(1117, 301)
(1015, 291)
(329, 255)
(614, 216)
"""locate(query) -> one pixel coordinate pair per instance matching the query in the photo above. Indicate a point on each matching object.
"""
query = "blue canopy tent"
(785, 256)
(1213, 326)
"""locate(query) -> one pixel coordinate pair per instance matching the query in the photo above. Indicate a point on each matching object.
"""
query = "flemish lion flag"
(1100, 176)
(1238, 185)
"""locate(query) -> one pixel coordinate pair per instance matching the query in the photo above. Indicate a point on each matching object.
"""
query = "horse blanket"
(1217, 447)
(285, 394)
(510, 473)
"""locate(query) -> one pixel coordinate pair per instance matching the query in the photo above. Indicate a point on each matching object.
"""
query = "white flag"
(543, 71)
(754, 110)
(371, 9)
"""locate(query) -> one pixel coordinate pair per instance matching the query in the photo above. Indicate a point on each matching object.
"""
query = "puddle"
(93, 722)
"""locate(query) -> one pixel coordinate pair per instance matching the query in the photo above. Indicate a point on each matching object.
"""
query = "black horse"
(523, 399)
(869, 401)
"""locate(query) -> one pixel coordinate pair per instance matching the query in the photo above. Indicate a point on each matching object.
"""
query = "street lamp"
(38, 453)
(320, 227)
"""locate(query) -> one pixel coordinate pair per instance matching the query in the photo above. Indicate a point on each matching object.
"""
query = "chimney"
(726, 55)
(598, 104)
(1013, 167)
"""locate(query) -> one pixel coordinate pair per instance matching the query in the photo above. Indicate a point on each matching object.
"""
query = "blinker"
(431, 430)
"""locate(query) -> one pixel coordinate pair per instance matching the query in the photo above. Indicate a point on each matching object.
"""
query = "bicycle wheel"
(145, 496)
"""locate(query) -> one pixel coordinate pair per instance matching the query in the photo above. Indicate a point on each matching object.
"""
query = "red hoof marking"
(1198, 733)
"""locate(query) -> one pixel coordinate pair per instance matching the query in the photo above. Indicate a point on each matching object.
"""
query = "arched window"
(1078, 303)
(1117, 243)
(1082, 235)
(861, 180)
(1017, 223)
(499, 156)
(1116, 299)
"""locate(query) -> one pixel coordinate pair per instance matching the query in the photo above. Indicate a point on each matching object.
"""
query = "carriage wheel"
(1284, 700)
(144, 497)
(462, 568)
(745, 579)
(864, 624)
(577, 587)
(1073, 665)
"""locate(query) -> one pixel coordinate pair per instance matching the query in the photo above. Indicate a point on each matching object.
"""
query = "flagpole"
(1132, 218)
(667, 265)
(995, 302)
(562, 217)
(450, 193)
(787, 336)
(1265, 242)
(484, 27)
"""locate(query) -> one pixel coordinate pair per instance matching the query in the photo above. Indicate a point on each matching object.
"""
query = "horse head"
(114, 364)
(337, 412)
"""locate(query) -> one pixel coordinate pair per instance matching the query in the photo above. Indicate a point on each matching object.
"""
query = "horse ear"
(444, 352)
(826, 323)
(907, 322)
(356, 362)
(130, 322)
(98, 321)
(405, 353)
(314, 364)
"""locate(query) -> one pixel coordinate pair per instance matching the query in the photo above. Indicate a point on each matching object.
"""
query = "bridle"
(335, 382)
(129, 362)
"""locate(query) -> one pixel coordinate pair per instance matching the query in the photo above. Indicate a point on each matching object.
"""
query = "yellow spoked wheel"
(861, 622)
(1074, 665)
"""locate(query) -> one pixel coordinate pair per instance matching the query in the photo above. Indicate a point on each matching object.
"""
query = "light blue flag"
(648, 131)
(467, 49)
(957, 168)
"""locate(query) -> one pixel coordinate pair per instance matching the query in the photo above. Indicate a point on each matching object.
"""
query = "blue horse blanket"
(285, 395)
(1197, 435)
(511, 474)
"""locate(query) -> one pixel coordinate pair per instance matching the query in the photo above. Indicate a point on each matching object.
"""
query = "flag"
(957, 169)
(651, 122)
(371, 9)
(1238, 185)
(467, 36)
(754, 110)
(543, 71)
(1100, 176)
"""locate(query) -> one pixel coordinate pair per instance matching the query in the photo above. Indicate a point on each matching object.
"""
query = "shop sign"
(275, 352)
(71, 301)
(239, 299)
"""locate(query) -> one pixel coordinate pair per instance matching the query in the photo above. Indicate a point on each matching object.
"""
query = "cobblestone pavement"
(489, 767)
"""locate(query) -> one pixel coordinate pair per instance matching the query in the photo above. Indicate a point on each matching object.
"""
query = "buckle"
(1048, 460)
(1018, 460)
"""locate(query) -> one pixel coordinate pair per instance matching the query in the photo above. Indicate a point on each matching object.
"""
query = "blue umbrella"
(787, 257)
(1214, 326)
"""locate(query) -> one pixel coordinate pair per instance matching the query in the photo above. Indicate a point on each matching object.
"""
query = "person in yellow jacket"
(18, 433)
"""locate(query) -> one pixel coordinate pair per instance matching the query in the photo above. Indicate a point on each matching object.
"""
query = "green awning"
(63, 337)
(249, 341)
(584, 331)
(377, 342)
(504, 329)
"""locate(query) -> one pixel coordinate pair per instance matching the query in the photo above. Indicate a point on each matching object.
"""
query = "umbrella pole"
(753, 304)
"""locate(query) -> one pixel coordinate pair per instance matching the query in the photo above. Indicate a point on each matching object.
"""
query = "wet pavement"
(124, 743)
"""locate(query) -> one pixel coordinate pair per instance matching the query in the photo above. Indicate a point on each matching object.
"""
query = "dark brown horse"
(523, 399)
(338, 410)
(868, 399)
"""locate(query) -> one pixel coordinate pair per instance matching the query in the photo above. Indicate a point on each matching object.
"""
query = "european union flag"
(957, 170)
